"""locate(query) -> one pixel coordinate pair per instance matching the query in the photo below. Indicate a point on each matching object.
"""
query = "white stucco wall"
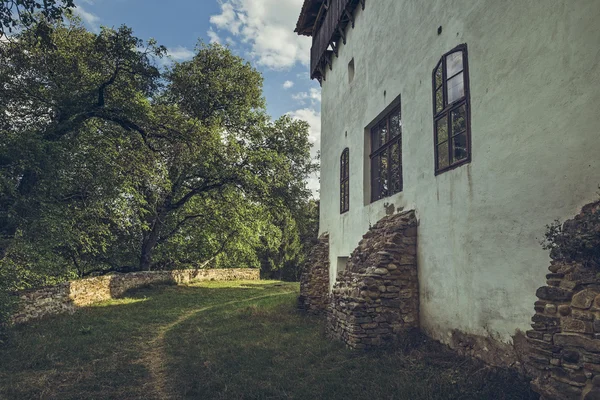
(535, 126)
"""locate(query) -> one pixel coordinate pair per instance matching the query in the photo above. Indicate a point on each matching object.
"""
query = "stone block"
(554, 293)
(573, 378)
(564, 310)
(550, 308)
(584, 299)
(568, 324)
(577, 340)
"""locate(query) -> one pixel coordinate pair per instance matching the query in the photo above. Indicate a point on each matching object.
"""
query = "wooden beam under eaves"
(342, 34)
(349, 16)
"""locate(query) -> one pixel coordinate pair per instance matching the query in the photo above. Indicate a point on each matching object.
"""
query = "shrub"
(8, 281)
(578, 239)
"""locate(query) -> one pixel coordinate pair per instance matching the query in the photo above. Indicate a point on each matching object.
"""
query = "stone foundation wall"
(564, 343)
(377, 297)
(68, 296)
(314, 282)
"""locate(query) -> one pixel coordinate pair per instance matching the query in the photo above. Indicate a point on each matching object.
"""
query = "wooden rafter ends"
(326, 21)
(308, 17)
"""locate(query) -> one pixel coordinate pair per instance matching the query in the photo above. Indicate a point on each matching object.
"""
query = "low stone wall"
(377, 297)
(564, 343)
(314, 282)
(68, 296)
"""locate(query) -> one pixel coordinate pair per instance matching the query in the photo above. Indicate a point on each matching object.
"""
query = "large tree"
(108, 163)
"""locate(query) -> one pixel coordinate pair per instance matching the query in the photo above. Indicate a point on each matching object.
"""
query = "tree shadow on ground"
(95, 352)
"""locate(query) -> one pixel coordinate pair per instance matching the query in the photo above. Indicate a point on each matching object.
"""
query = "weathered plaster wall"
(534, 75)
(66, 297)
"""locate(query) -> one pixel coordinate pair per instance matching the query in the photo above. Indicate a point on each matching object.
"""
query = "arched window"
(451, 110)
(345, 181)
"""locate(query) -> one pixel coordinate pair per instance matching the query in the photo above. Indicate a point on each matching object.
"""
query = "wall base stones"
(68, 296)
(491, 351)
(565, 339)
(377, 297)
(314, 282)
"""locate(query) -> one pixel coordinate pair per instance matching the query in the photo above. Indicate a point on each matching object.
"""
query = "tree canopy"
(109, 163)
(18, 13)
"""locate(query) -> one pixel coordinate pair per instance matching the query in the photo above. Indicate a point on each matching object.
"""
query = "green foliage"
(284, 253)
(109, 164)
(15, 13)
(577, 240)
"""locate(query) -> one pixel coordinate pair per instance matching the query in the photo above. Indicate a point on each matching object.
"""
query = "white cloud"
(213, 36)
(313, 118)
(288, 85)
(180, 53)
(267, 26)
(314, 95)
(228, 19)
(90, 19)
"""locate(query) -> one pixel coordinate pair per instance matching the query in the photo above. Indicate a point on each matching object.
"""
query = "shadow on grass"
(210, 348)
(95, 352)
(267, 350)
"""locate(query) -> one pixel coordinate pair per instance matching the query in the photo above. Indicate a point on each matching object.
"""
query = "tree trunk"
(149, 243)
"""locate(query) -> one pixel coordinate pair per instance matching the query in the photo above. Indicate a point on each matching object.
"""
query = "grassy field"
(226, 340)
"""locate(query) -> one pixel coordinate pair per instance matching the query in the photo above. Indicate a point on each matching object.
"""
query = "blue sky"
(261, 31)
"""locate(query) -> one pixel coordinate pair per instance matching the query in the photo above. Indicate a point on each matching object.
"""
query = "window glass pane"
(439, 100)
(347, 197)
(459, 147)
(442, 130)
(443, 160)
(395, 124)
(383, 134)
(374, 138)
(376, 178)
(456, 88)
(383, 174)
(438, 76)
(459, 119)
(396, 168)
(454, 63)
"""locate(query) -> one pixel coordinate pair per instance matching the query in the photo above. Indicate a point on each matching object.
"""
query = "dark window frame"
(345, 181)
(448, 109)
(377, 192)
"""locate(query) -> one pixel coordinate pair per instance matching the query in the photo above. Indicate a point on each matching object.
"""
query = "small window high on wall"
(345, 181)
(451, 110)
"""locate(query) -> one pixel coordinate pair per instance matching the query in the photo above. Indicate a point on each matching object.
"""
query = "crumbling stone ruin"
(565, 340)
(314, 282)
(377, 297)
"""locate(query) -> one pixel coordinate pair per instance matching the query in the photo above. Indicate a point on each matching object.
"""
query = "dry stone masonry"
(314, 282)
(68, 296)
(565, 340)
(377, 297)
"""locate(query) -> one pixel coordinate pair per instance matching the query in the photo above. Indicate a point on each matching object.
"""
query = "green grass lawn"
(226, 340)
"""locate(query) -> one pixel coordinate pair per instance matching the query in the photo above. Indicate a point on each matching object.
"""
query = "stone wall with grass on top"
(377, 297)
(68, 296)
(564, 343)
(314, 282)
